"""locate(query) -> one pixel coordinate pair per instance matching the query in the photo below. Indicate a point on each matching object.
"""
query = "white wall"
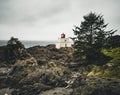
(63, 42)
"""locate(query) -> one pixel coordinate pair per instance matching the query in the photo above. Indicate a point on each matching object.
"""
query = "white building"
(63, 42)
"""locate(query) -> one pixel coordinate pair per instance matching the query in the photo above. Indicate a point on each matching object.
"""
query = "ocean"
(28, 44)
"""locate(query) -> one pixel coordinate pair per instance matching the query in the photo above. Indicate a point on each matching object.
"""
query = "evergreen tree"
(90, 37)
(15, 50)
(113, 41)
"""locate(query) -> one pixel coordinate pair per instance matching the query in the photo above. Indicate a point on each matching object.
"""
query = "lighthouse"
(63, 41)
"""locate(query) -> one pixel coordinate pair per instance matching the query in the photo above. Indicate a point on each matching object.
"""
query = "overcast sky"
(47, 19)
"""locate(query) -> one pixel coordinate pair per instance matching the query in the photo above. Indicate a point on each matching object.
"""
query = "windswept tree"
(90, 37)
(15, 50)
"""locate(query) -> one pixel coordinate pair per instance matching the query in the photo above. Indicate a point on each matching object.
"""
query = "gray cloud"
(29, 10)
(22, 17)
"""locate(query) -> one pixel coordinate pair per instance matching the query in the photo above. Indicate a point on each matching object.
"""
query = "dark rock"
(6, 91)
(46, 53)
(98, 86)
(31, 89)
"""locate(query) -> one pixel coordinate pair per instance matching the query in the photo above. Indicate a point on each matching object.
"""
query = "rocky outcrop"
(51, 71)
(97, 86)
(26, 77)
(44, 54)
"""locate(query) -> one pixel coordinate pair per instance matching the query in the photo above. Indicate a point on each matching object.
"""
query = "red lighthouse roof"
(62, 35)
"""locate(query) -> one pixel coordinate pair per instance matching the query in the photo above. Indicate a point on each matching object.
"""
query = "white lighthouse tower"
(63, 41)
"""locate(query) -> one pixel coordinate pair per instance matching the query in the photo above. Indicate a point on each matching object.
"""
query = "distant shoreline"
(28, 43)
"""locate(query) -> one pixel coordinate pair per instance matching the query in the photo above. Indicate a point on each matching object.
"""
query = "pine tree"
(90, 37)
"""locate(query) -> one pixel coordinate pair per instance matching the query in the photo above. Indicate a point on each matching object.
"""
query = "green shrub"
(114, 54)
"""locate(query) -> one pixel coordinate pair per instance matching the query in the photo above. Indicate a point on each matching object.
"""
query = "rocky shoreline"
(51, 71)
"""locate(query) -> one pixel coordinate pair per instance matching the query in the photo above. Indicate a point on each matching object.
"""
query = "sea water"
(28, 44)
